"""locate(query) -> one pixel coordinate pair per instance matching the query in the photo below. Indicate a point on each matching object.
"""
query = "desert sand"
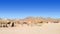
(48, 28)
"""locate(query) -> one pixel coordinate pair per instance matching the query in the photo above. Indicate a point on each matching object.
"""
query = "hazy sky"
(24, 8)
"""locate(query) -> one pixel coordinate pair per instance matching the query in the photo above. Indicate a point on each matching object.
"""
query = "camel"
(10, 24)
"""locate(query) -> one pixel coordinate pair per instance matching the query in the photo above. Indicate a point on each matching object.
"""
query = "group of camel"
(30, 21)
(9, 24)
(4, 22)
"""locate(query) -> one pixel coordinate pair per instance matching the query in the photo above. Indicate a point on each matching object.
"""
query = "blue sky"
(24, 8)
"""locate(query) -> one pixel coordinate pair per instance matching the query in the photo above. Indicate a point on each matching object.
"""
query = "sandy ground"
(50, 28)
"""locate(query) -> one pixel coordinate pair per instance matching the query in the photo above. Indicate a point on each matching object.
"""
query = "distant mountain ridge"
(30, 20)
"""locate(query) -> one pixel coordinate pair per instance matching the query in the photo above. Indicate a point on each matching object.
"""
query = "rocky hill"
(30, 21)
